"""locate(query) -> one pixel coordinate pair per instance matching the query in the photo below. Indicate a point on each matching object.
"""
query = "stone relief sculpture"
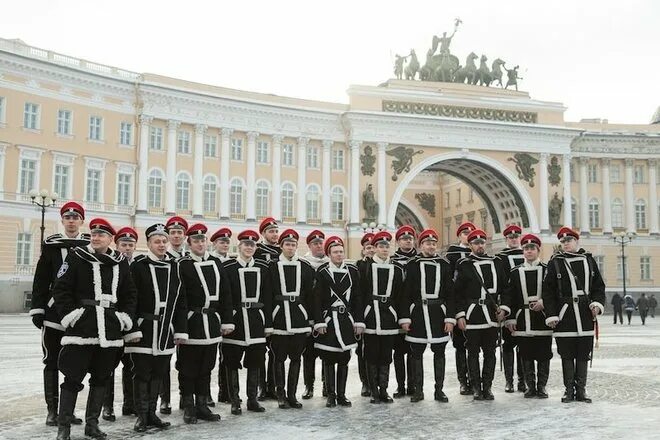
(524, 166)
(403, 159)
(368, 160)
(427, 202)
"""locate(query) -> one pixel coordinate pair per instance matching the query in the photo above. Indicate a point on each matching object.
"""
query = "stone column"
(143, 163)
(355, 182)
(630, 198)
(566, 180)
(654, 228)
(224, 172)
(250, 197)
(382, 182)
(325, 183)
(198, 171)
(606, 200)
(301, 208)
(276, 196)
(170, 174)
(584, 196)
(544, 219)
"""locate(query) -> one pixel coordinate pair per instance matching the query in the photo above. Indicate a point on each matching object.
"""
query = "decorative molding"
(368, 160)
(427, 202)
(450, 111)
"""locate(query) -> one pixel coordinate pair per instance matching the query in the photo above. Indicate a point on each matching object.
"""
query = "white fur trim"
(509, 321)
(363, 325)
(320, 325)
(460, 315)
(231, 327)
(183, 336)
(37, 312)
(77, 340)
(209, 341)
(597, 305)
(71, 318)
(450, 321)
(53, 325)
(268, 330)
(125, 321)
(506, 309)
(130, 336)
(551, 319)
(405, 321)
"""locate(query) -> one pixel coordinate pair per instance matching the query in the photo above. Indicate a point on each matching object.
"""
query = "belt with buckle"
(252, 305)
(482, 302)
(431, 301)
(151, 316)
(340, 309)
(382, 299)
(290, 298)
(92, 302)
(205, 310)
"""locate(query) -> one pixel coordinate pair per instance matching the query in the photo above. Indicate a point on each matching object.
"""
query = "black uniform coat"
(267, 252)
(478, 285)
(338, 306)
(524, 288)
(95, 298)
(292, 283)
(251, 294)
(205, 286)
(161, 306)
(55, 250)
(568, 295)
(508, 259)
(454, 254)
(383, 296)
(429, 297)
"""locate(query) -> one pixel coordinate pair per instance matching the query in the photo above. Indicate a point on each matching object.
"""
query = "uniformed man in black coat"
(95, 298)
(54, 251)
(573, 297)
(454, 253)
(523, 305)
(162, 319)
(205, 286)
(292, 281)
(478, 286)
(508, 258)
(367, 253)
(251, 291)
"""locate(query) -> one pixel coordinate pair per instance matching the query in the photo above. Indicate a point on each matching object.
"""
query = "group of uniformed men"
(98, 306)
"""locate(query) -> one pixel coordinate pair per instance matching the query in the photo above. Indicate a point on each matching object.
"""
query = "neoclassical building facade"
(135, 148)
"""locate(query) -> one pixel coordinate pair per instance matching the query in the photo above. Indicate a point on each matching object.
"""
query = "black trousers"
(291, 346)
(51, 344)
(509, 341)
(575, 347)
(417, 350)
(147, 367)
(378, 348)
(75, 361)
(618, 312)
(482, 340)
(236, 356)
(195, 363)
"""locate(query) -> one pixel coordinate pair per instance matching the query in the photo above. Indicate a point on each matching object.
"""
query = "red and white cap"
(176, 222)
(101, 225)
(512, 229)
(126, 234)
(288, 235)
(567, 232)
(467, 225)
(366, 239)
(332, 242)
(382, 236)
(428, 234)
(72, 208)
(248, 235)
(530, 239)
(197, 230)
(315, 235)
(266, 224)
(477, 234)
(405, 231)
(221, 233)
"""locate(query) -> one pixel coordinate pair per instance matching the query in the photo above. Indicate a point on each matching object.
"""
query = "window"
(262, 152)
(287, 155)
(458, 193)
(617, 213)
(594, 213)
(615, 173)
(183, 142)
(592, 173)
(619, 268)
(3, 106)
(600, 263)
(24, 249)
(471, 196)
(312, 157)
(337, 204)
(209, 195)
(124, 189)
(93, 191)
(574, 217)
(236, 197)
(31, 116)
(447, 199)
(338, 160)
(61, 180)
(237, 149)
(645, 268)
(182, 191)
(210, 146)
(155, 189)
(262, 199)
(28, 174)
(64, 122)
(640, 214)
(639, 174)
(126, 133)
(95, 128)
(287, 200)
(156, 138)
(313, 196)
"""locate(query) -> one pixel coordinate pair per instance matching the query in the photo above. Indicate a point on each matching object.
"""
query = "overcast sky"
(599, 58)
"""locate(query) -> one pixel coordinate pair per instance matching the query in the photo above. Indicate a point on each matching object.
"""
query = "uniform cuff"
(506, 309)
(131, 336)
(72, 317)
(320, 325)
(597, 305)
(183, 336)
(460, 315)
(37, 312)
(404, 321)
(231, 327)
(450, 321)
(125, 321)
(268, 330)
(551, 319)
(510, 322)
(360, 324)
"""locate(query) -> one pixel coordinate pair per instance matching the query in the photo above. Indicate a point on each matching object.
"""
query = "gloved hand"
(38, 321)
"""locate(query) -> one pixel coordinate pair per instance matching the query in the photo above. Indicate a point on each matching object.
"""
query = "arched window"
(617, 213)
(287, 199)
(313, 197)
(261, 199)
(236, 197)
(182, 191)
(640, 214)
(594, 213)
(210, 194)
(155, 189)
(337, 204)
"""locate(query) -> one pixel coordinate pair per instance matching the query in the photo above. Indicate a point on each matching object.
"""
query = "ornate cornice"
(619, 145)
(452, 111)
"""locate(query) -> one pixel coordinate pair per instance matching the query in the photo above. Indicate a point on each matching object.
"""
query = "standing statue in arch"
(398, 66)
(554, 211)
(369, 204)
(512, 74)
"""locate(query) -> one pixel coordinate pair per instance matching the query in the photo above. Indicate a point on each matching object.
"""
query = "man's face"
(126, 247)
(176, 237)
(478, 246)
(157, 244)
(530, 252)
(383, 250)
(72, 224)
(271, 235)
(429, 247)
(462, 237)
(197, 245)
(100, 241)
(246, 249)
(406, 243)
(316, 248)
(513, 240)
(569, 244)
(368, 250)
(221, 246)
(337, 255)
(289, 248)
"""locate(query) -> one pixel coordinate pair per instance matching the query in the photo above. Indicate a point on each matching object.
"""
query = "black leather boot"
(488, 375)
(383, 381)
(223, 395)
(329, 374)
(462, 372)
(233, 388)
(262, 383)
(364, 375)
(189, 412)
(507, 360)
(251, 388)
(203, 411)
(530, 378)
(141, 402)
(439, 373)
(520, 371)
(51, 388)
(400, 374)
(93, 411)
(324, 390)
(109, 401)
(270, 377)
(342, 377)
(67, 404)
(282, 401)
(418, 370)
(372, 373)
(581, 368)
(568, 371)
(410, 374)
(475, 376)
(309, 376)
(165, 407)
(127, 407)
(292, 384)
(152, 418)
(543, 374)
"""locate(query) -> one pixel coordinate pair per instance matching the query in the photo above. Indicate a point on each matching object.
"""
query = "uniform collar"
(533, 263)
(283, 258)
(379, 261)
(198, 258)
(243, 263)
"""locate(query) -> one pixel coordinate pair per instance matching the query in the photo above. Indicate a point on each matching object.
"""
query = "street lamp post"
(623, 239)
(43, 199)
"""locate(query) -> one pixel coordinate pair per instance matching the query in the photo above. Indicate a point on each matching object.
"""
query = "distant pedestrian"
(643, 307)
(653, 303)
(629, 306)
(617, 305)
